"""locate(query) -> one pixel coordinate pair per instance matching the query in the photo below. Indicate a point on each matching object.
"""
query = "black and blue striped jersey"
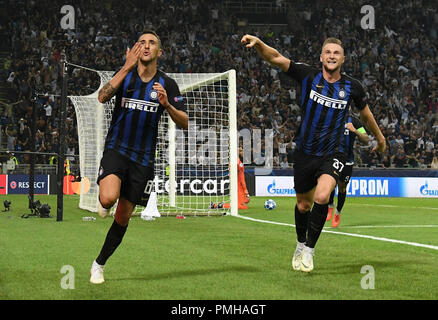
(324, 109)
(134, 125)
(350, 138)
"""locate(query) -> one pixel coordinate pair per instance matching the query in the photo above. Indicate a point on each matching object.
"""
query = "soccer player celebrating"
(326, 98)
(350, 134)
(142, 93)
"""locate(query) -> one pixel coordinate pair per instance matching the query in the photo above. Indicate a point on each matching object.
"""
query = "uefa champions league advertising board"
(19, 184)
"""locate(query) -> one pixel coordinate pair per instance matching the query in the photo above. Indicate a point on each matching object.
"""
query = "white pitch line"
(389, 206)
(415, 244)
(394, 226)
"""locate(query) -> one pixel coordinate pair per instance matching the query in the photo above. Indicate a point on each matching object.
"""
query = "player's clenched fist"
(249, 41)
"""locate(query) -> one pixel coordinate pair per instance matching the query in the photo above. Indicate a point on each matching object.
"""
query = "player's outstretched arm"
(368, 119)
(266, 52)
(110, 88)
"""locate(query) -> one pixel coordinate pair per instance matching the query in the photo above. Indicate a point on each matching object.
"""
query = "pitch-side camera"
(38, 209)
(7, 205)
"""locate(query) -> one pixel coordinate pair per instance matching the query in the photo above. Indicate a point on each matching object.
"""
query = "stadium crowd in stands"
(397, 62)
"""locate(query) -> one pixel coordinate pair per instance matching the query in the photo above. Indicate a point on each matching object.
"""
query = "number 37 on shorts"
(338, 165)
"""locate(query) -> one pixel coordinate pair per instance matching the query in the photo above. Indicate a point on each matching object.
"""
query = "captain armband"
(361, 130)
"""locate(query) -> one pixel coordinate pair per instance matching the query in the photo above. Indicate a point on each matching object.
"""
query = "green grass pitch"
(224, 258)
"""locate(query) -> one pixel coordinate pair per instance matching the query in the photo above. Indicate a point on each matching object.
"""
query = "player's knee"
(107, 200)
(322, 198)
(304, 206)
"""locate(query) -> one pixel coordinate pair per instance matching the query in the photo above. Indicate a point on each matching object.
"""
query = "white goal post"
(194, 167)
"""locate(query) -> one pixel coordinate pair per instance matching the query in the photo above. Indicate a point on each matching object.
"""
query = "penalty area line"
(414, 244)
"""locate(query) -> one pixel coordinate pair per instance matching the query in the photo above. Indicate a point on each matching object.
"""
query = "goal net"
(194, 167)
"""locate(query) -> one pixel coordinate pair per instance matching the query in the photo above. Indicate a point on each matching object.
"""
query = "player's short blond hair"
(332, 40)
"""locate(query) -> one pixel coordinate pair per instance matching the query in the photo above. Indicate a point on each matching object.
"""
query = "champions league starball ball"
(270, 204)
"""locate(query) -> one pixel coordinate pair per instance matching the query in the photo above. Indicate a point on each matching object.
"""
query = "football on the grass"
(270, 204)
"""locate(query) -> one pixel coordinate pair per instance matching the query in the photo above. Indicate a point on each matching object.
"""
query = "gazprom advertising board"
(419, 187)
(281, 186)
(272, 186)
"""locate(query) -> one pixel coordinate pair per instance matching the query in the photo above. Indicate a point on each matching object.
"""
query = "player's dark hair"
(148, 31)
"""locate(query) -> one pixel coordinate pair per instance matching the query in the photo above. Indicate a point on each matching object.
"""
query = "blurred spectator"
(399, 158)
(24, 135)
(284, 163)
(412, 160)
(434, 164)
(11, 137)
(386, 162)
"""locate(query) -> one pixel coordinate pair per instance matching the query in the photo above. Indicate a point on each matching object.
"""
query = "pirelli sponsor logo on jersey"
(141, 105)
(326, 101)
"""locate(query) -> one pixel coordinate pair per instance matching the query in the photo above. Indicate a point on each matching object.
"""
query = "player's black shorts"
(346, 174)
(308, 168)
(137, 180)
